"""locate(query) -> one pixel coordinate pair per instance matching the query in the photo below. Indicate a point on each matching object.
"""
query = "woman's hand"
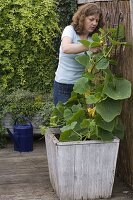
(96, 50)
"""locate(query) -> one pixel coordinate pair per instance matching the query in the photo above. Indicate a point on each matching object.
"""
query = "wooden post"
(131, 11)
(125, 158)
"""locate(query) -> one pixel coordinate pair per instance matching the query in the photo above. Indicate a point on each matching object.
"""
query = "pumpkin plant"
(93, 111)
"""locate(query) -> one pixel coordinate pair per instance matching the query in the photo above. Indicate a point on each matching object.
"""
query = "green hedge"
(30, 33)
(65, 9)
(27, 30)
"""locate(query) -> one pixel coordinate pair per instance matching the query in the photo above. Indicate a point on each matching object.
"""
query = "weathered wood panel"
(131, 12)
(125, 67)
(90, 1)
(81, 170)
(25, 176)
(52, 162)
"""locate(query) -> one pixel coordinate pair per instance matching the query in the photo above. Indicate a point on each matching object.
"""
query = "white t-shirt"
(69, 70)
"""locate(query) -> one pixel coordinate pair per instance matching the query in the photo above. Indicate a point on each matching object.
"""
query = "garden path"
(24, 176)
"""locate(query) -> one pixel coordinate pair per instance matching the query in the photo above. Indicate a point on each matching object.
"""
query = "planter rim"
(57, 142)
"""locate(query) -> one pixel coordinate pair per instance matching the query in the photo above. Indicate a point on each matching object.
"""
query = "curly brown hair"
(84, 11)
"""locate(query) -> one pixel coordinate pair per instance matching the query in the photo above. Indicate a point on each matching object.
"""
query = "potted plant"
(82, 158)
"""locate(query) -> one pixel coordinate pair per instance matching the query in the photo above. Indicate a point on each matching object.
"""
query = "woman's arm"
(70, 48)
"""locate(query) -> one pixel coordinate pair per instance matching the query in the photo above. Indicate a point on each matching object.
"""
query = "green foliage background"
(65, 10)
(27, 31)
(30, 33)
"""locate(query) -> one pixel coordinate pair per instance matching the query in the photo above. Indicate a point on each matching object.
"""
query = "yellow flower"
(91, 111)
(101, 42)
(89, 69)
(87, 94)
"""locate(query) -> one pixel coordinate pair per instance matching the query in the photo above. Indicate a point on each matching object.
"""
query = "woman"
(86, 21)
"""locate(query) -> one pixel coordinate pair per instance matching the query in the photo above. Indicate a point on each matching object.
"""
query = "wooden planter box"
(81, 170)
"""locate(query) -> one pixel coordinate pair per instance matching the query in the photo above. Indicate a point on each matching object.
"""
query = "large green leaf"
(90, 76)
(67, 114)
(81, 86)
(78, 116)
(57, 115)
(89, 44)
(121, 32)
(85, 123)
(67, 133)
(68, 136)
(68, 127)
(90, 127)
(109, 109)
(109, 126)
(84, 60)
(118, 32)
(95, 37)
(85, 43)
(119, 130)
(114, 42)
(118, 89)
(105, 135)
(72, 100)
(95, 44)
(76, 108)
(91, 99)
(102, 64)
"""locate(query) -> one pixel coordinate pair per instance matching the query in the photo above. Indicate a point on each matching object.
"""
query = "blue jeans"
(62, 92)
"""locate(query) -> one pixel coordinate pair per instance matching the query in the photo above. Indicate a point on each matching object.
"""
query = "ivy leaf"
(109, 109)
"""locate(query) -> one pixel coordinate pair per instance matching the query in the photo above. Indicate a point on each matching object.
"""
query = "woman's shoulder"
(69, 27)
(69, 31)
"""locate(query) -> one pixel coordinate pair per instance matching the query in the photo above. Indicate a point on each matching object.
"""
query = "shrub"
(65, 11)
(28, 28)
(22, 102)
